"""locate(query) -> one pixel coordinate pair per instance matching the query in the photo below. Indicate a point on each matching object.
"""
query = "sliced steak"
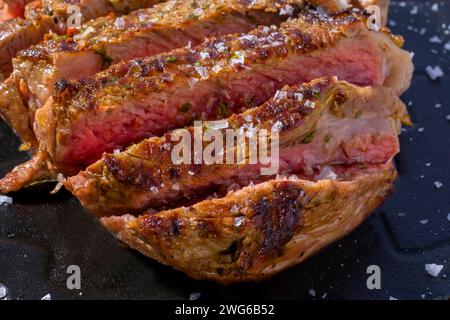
(145, 97)
(256, 232)
(326, 122)
(15, 35)
(45, 15)
(146, 32)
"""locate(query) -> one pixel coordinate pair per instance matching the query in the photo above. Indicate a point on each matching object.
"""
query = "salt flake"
(434, 269)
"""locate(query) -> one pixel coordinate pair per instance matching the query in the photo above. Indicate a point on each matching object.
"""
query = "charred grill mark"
(64, 88)
(163, 229)
(339, 96)
(174, 172)
(277, 218)
(131, 174)
(232, 250)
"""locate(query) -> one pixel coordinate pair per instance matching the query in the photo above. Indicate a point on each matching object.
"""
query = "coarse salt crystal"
(421, 129)
(3, 291)
(204, 55)
(312, 292)
(435, 39)
(248, 37)
(238, 221)
(447, 46)
(435, 7)
(438, 184)
(287, 10)
(434, 72)
(141, 17)
(434, 269)
(326, 173)
(310, 104)
(194, 296)
(280, 94)
(220, 47)
(4, 200)
(47, 297)
(448, 217)
(216, 68)
(234, 209)
(176, 187)
(83, 34)
(277, 126)
(154, 189)
(119, 23)
(197, 12)
(238, 58)
(424, 221)
(298, 96)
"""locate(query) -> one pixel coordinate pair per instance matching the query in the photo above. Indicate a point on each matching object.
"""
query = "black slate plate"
(41, 235)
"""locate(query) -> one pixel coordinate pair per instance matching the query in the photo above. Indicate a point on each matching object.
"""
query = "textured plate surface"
(41, 235)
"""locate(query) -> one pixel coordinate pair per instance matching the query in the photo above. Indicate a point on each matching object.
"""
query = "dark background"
(41, 235)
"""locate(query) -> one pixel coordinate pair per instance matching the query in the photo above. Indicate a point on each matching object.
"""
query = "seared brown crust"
(90, 9)
(15, 35)
(171, 15)
(145, 175)
(258, 231)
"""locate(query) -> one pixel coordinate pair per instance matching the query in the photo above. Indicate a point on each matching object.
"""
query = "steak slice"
(15, 35)
(256, 232)
(140, 98)
(45, 15)
(325, 122)
(89, 9)
(108, 40)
